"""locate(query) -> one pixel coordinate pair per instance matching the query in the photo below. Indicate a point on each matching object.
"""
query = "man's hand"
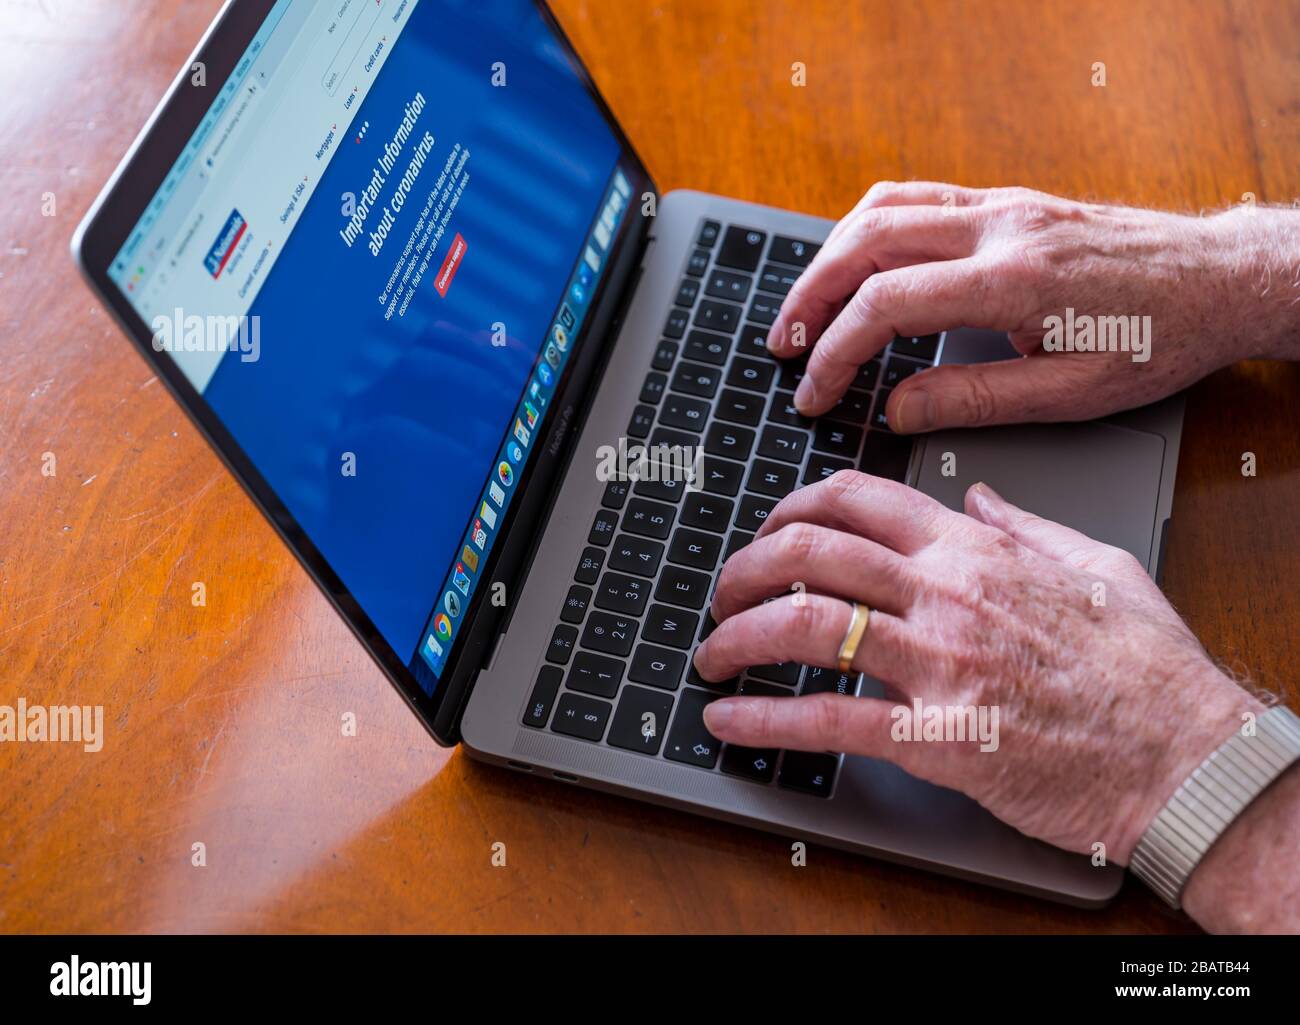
(915, 258)
(1106, 701)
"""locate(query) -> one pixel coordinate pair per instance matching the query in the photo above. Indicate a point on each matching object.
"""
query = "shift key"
(688, 739)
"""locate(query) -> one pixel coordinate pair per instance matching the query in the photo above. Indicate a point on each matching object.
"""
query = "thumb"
(1034, 388)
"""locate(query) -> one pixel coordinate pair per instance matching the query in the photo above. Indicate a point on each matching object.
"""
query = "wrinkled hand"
(915, 258)
(1104, 708)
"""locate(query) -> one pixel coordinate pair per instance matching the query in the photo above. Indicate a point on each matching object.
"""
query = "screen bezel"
(118, 209)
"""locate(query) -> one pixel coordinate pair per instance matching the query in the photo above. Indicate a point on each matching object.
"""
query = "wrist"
(1196, 711)
(1256, 254)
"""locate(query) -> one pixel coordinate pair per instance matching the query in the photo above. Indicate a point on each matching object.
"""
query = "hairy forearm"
(1258, 252)
(1249, 881)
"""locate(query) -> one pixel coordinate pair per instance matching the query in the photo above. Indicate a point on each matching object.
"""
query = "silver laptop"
(400, 265)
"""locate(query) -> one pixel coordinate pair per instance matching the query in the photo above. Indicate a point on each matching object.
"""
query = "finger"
(815, 722)
(876, 239)
(1035, 388)
(808, 629)
(913, 193)
(885, 511)
(1055, 540)
(806, 557)
(909, 301)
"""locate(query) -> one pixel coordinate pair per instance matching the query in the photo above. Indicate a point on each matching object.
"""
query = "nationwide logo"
(231, 232)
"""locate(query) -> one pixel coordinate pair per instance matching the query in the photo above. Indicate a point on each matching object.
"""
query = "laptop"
(404, 271)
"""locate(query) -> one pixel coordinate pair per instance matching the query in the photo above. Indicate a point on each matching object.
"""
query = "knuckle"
(844, 487)
(880, 190)
(827, 717)
(799, 544)
(979, 399)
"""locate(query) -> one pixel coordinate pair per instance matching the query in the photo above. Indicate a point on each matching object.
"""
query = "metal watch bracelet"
(1211, 799)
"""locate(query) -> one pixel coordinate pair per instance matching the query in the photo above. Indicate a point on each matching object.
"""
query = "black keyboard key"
(653, 389)
(692, 548)
(784, 673)
(709, 232)
(774, 479)
(682, 587)
(663, 489)
(751, 374)
(580, 716)
(708, 347)
(708, 626)
(538, 709)
(561, 646)
(659, 667)
(609, 633)
(589, 566)
(791, 372)
(739, 407)
(761, 689)
(899, 369)
(818, 680)
(820, 467)
(753, 512)
(721, 477)
(595, 674)
(730, 441)
(619, 592)
(852, 408)
(631, 554)
(575, 604)
(878, 418)
(641, 720)
(812, 773)
(793, 251)
(675, 326)
(837, 439)
(698, 263)
(783, 443)
(725, 284)
(736, 542)
(615, 494)
(682, 411)
(886, 455)
(727, 686)
(674, 627)
(742, 248)
(758, 764)
(602, 529)
(783, 411)
(643, 418)
(649, 519)
(753, 342)
(688, 740)
(924, 348)
(696, 379)
(764, 308)
(687, 292)
(717, 316)
(778, 280)
(709, 512)
(665, 355)
(868, 373)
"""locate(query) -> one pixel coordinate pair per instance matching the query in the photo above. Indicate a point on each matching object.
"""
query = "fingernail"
(915, 412)
(717, 715)
(805, 395)
(982, 495)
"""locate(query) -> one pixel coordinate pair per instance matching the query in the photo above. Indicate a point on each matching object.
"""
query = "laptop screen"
(372, 260)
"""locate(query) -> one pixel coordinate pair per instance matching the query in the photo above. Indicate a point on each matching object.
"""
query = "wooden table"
(223, 722)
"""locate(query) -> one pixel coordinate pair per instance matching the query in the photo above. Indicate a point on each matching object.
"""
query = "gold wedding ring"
(853, 636)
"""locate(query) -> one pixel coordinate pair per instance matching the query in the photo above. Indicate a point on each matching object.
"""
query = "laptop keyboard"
(618, 666)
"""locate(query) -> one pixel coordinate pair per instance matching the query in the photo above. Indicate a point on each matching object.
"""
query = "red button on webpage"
(450, 265)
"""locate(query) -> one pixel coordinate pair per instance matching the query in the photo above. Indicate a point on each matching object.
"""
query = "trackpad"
(1098, 478)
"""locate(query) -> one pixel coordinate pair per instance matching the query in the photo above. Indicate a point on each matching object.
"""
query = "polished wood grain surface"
(223, 722)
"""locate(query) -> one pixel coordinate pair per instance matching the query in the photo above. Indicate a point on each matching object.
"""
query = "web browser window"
(371, 260)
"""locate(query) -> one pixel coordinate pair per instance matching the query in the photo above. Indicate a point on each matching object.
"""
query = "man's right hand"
(915, 258)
